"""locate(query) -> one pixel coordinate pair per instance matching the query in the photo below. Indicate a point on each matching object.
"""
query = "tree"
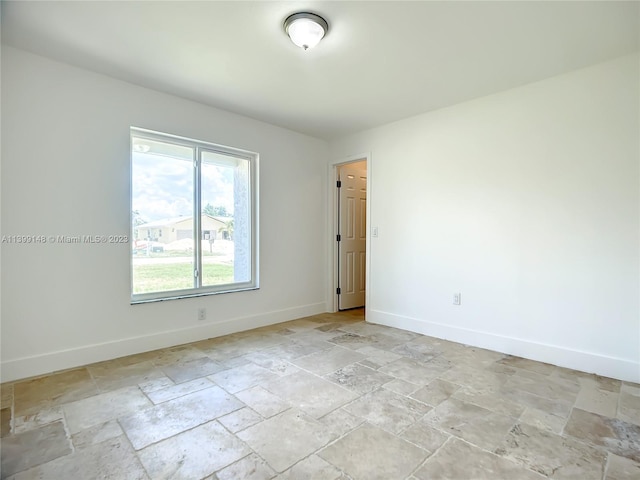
(228, 226)
(136, 218)
(217, 211)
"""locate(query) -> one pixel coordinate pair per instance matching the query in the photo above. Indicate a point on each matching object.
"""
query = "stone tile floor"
(325, 397)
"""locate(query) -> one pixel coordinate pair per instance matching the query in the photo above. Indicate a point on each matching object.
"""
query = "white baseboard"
(74, 357)
(589, 362)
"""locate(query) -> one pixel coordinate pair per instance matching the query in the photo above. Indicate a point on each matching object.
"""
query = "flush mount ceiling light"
(306, 29)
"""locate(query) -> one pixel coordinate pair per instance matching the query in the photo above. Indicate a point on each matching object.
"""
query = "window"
(193, 216)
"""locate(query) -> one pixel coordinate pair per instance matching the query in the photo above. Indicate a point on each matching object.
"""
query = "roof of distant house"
(166, 222)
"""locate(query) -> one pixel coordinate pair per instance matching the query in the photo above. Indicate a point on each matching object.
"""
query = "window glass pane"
(226, 251)
(162, 215)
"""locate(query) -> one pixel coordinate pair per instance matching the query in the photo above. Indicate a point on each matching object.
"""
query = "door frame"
(332, 228)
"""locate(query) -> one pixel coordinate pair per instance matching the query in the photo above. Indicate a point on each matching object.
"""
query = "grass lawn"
(176, 276)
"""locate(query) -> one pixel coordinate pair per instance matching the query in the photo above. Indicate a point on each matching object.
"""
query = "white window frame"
(200, 147)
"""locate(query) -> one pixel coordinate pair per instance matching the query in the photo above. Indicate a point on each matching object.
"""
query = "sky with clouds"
(163, 186)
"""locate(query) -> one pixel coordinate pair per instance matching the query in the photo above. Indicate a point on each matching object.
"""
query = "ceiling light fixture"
(306, 29)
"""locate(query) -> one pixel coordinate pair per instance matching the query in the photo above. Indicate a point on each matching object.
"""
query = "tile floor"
(326, 397)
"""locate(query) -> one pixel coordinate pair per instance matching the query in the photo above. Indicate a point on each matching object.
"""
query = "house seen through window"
(193, 215)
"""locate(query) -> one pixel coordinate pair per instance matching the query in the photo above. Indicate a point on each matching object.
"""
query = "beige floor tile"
(559, 408)
(37, 420)
(287, 351)
(112, 375)
(602, 383)
(309, 323)
(233, 362)
(458, 460)
(472, 357)
(175, 391)
(481, 380)
(621, 468)
(508, 370)
(354, 341)
(180, 354)
(30, 396)
(242, 344)
(300, 325)
(297, 399)
(240, 419)
(330, 327)
(401, 387)
(310, 345)
(420, 352)
(629, 408)
(526, 364)
(435, 392)
(313, 335)
(546, 387)
(151, 425)
(391, 338)
(444, 346)
(376, 357)
(139, 357)
(491, 401)
(96, 434)
(192, 369)
(310, 393)
(240, 378)
(412, 371)
(388, 410)
(369, 453)
(98, 409)
(112, 459)
(32, 448)
(403, 336)
(359, 378)
(616, 436)
(193, 454)
(328, 361)
(552, 455)
(284, 351)
(602, 402)
(5, 422)
(543, 420)
(262, 401)
(298, 435)
(575, 376)
(425, 436)
(312, 468)
(477, 425)
(340, 422)
(275, 359)
(6, 395)
(156, 384)
(251, 467)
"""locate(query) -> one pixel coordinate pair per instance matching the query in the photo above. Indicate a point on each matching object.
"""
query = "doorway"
(351, 234)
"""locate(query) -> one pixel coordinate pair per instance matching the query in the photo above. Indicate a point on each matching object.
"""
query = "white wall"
(526, 202)
(65, 171)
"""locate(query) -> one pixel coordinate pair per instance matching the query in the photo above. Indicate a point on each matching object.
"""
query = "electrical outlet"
(202, 314)
(457, 300)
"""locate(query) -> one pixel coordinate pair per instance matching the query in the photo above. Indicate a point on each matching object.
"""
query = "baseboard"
(64, 359)
(589, 362)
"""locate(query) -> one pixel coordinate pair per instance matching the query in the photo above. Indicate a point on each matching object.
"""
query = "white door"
(352, 228)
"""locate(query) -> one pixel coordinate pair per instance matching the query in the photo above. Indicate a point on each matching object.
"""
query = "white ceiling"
(380, 62)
